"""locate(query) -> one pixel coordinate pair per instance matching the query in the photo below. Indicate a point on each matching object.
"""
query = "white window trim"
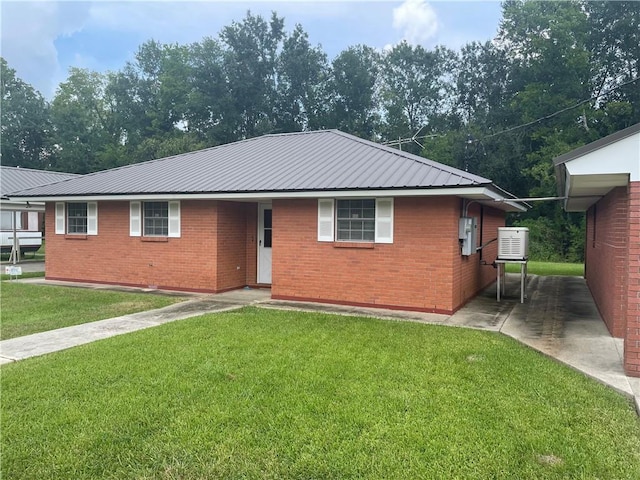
(384, 216)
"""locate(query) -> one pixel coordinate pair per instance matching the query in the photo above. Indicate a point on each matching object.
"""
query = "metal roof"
(290, 162)
(13, 179)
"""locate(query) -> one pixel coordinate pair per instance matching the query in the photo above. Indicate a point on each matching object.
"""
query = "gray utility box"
(467, 233)
(513, 243)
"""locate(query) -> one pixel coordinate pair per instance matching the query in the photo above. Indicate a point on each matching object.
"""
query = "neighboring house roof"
(318, 161)
(13, 179)
(588, 173)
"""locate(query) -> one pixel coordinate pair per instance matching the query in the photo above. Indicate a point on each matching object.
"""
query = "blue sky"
(41, 40)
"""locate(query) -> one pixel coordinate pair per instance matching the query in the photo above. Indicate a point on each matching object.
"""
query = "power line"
(551, 115)
(414, 139)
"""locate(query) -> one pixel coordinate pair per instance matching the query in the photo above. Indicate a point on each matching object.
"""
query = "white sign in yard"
(13, 271)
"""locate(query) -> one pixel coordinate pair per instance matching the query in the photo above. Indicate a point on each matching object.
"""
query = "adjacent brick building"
(603, 179)
(317, 216)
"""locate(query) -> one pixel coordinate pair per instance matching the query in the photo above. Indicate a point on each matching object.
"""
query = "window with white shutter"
(355, 220)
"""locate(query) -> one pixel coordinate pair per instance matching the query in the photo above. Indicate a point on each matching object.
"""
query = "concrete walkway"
(558, 319)
(55, 340)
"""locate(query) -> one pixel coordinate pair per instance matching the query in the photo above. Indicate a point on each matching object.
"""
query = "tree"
(414, 87)
(482, 84)
(250, 58)
(24, 123)
(210, 109)
(82, 123)
(353, 106)
(614, 43)
(302, 70)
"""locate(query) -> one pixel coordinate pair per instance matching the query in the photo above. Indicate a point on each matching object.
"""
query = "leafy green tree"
(482, 84)
(352, 90)
(614, 43)
(24, 123)
(210, 112)
(82, 123)
(415, 88)
(302, 70)
(250, 58)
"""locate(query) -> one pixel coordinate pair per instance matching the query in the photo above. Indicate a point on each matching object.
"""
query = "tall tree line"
(557, 75)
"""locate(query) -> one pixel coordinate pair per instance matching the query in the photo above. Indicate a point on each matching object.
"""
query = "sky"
(42, 40)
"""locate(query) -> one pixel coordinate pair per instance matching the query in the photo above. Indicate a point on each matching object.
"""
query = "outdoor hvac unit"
(513, 243)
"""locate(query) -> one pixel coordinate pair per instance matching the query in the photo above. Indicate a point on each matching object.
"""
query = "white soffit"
(593, 174)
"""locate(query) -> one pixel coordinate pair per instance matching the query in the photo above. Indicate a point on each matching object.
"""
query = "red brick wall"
(421, 270)
(185, 263)
(231, 239)
(470, 275)
(606, 258)
(632, 338)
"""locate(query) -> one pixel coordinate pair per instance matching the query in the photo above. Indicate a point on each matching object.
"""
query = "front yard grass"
(260, 394)
(27, 309)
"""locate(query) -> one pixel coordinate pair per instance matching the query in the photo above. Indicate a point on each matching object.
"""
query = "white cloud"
(29, 30)
(416, 20)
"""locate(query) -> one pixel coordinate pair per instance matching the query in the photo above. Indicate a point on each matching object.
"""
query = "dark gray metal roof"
(291, 162)
(13, 179)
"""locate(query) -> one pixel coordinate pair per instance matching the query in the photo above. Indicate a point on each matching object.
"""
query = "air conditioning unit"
(513, 243)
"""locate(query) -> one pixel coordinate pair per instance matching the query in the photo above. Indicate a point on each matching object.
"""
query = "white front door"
(264, 243)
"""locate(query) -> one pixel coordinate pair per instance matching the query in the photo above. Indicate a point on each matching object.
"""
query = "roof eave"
(478, 192)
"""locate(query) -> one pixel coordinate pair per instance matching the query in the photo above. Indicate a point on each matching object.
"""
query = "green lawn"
(30, 309)
(549, 268)
(271, 394)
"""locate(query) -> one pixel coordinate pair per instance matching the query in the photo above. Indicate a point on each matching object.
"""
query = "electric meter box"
(467, 228)
(513, 243)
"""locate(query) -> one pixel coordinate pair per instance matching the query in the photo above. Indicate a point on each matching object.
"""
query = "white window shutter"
(384, 220)
(92, 218)
(174, 219)
(135, 229)
(325, 220)
(60, 211)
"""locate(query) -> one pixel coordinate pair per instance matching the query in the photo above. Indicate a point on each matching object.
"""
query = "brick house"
(316, 216)
(603, 180)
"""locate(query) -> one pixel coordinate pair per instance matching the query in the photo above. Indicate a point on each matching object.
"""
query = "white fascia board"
(479, 193)
(622, 156)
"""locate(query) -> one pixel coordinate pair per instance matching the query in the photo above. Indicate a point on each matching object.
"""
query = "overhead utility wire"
(415, 137)
(551, 115)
